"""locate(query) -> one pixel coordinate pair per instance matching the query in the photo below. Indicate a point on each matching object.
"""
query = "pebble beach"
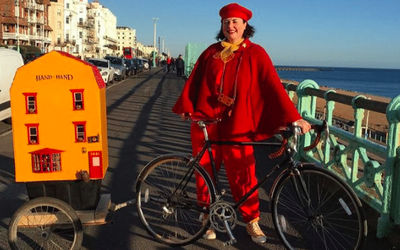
(376, 121)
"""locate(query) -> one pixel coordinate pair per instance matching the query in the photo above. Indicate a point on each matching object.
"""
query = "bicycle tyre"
(173, 218)
(335, 219)
(45, 223)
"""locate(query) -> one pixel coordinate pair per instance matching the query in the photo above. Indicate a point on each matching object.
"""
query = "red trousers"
(239, 164)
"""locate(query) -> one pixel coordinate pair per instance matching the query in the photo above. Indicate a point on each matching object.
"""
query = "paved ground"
(140, 127)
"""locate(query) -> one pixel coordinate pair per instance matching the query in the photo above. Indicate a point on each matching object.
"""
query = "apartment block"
(126, 38)
(56, 21)
(25, 23)
(82, 28)
(104, 31)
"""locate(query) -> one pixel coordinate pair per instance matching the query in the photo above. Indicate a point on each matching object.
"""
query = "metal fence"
(192, 52)
(367, 160)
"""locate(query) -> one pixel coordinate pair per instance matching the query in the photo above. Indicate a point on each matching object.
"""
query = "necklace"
(226, 100)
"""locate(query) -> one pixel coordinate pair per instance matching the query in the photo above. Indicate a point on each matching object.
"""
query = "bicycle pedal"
(229, 242)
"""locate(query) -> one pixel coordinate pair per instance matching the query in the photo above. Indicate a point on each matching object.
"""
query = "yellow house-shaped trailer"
(59, 123)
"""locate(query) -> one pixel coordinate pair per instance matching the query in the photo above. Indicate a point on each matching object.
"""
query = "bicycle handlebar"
(319, 129)
(286, 133)
(292, 131)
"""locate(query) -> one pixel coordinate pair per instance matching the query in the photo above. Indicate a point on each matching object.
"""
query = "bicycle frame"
(287, 161)
(304, 185)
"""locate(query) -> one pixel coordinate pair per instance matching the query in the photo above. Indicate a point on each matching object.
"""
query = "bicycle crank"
(222, 215)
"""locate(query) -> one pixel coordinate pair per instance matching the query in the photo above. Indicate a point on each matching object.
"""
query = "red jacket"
(262, 104)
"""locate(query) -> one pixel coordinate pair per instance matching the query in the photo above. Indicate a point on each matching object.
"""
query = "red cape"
(262, 104)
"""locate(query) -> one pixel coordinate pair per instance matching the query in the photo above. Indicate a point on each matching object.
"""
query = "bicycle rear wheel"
(167, 200)
(331, 218)
(45, 223)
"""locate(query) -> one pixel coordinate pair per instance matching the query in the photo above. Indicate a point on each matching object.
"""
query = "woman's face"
(233, 28)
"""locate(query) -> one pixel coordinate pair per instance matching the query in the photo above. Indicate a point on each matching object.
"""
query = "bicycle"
(312, 208)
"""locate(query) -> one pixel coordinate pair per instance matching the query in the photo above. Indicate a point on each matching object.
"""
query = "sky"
(339, 33)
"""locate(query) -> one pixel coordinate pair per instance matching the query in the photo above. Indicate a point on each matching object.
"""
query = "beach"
(376, 121)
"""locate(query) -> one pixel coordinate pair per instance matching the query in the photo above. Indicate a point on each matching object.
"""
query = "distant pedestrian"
(173, 64)
(164, 65)
(150, 61)
(169, 63)
(180, 65)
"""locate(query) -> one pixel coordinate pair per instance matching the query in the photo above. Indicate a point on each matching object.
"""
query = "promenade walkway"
(141, 126)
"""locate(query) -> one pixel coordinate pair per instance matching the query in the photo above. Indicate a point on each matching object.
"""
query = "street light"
(163, 50)
(155, 19)
(17, 15)
(159, 44)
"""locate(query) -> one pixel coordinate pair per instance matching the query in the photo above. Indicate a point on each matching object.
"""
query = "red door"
(95, 165)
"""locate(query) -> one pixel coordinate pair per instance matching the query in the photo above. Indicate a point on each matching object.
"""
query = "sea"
(378, 82)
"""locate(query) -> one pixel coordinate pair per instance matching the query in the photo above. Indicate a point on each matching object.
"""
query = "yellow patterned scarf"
(227, 53)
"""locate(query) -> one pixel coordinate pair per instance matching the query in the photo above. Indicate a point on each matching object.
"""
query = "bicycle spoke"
(334, 237)
(293, 210)
(333, 219)
(45, 223)
(172, 208)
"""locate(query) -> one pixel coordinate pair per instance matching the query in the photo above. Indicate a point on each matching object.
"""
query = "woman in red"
(234, 80)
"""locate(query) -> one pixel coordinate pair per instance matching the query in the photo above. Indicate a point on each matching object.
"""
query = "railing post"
(329, 107)
(391, 189)
(288, 91)
(358, 118)
(306, 105)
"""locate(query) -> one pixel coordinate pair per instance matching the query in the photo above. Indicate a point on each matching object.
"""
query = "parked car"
(10, 61)
(131, 67)
(119, 66)
(104, 66)
(139, 64)
(146, 65)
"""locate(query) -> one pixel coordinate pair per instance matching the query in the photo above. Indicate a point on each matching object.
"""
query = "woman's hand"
(303, 124)
(185, 116)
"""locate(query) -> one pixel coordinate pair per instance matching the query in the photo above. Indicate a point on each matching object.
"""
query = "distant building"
(105, 29)
(144, 51)
(25, 22)
(56, 21)
(126, 38)
(76, 27)
(148, 50)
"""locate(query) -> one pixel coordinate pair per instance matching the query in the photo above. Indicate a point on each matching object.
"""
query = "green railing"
(192, 52)
(369, 167)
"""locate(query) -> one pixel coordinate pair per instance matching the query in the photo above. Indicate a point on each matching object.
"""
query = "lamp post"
(17, 15)
(163, 50)
(159, 44)
(155, 19)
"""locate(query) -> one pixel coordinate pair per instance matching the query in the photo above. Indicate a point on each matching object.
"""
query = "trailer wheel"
(45, 223)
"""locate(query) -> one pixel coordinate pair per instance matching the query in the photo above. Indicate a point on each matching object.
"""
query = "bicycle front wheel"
(167, 200)
(316, 210)
(45, 223)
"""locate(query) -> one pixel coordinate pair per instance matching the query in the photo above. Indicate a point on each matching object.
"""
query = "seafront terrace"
(141, 127)
(370, 165)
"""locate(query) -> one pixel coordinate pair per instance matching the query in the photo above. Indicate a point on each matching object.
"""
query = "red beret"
(235, 10)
